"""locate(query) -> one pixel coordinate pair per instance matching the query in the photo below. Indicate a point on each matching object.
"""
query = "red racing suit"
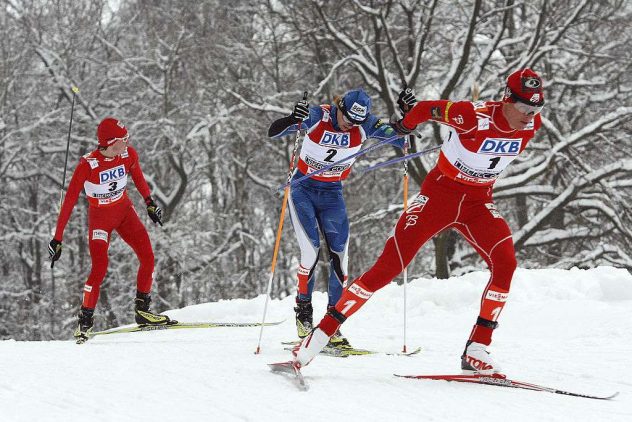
(457, 194)
(105, 183)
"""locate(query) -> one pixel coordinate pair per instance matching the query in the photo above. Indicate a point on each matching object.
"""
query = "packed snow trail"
(566, 329)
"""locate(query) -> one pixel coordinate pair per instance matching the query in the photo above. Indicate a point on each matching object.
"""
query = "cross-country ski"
(503, 381)
(343, 352)
(181, 326)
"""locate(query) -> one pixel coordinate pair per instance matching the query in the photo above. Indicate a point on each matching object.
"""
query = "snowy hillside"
(566, 329)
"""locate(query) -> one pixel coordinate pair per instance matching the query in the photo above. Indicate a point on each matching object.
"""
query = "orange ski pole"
(286, 193)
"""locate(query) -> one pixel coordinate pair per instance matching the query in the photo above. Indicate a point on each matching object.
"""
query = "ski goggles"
(112, 141)
(349, 121)
(523, 106)
(528, 109)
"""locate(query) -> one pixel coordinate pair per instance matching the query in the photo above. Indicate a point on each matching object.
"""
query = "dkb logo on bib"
(500, 146)
(335, 140)
(112, 174)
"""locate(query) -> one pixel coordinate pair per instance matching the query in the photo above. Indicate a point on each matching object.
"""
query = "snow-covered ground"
(566, 329)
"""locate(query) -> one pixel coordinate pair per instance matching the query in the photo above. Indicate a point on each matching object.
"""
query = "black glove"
(399, 126)
(300, 111)
(406, 100)
(154, 211)
(54, 251)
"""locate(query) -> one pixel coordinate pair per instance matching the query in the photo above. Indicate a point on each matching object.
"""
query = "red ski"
(501, 380)
(289, 368)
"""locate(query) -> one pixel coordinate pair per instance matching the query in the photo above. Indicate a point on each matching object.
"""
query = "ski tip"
(288, 368)
(411, 352)
(281, 366)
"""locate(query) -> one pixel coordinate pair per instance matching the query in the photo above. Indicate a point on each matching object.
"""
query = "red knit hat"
(109, 131)
(525, 86)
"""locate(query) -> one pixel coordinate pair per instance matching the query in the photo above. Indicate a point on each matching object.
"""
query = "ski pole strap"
(363, 151)
(398, 159)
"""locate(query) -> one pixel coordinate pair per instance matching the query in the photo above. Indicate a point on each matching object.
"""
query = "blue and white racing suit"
(317, 203)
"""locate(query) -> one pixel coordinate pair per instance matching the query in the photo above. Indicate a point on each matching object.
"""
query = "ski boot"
(304, 319)
(339, 341)
(144, 316)
(307, 349)
(84, 326)
(477, 360)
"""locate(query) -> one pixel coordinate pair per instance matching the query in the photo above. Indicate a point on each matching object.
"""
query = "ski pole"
(410, 140)
(327, 167)
(280, 228)
(398, 159)
(75, 91)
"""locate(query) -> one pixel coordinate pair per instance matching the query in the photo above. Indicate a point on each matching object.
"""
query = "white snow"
(566, 329)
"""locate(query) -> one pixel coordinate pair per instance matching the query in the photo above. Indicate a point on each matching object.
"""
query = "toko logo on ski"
(112, 174)
(335, 140)
(500, 146)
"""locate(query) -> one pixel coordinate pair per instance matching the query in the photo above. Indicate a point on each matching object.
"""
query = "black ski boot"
(304, 319)
(144, 316)
(84, 326)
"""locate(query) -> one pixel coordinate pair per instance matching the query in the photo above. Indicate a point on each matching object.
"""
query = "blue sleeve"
(285, 126)
(378, 129)
(315, 116)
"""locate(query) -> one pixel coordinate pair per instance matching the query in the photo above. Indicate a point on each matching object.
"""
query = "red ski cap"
(525, 86)
(109, 131)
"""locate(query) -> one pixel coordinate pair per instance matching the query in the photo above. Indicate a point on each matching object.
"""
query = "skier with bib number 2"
(333, 133)
(484, 138)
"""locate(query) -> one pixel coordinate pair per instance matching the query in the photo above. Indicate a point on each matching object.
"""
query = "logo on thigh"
(415, 207)
(100, 235)
(418, 204)
(493, 210)
(411, 220)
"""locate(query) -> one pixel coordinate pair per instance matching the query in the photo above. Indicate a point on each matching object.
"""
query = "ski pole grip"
(298, 121)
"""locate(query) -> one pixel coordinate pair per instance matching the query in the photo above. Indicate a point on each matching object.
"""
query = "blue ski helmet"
(355, 105)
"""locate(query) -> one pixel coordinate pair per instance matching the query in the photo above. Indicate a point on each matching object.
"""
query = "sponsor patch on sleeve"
(94, 163)
(435, 113)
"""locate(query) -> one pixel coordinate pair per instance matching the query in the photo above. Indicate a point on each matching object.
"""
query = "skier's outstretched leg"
(426, 217)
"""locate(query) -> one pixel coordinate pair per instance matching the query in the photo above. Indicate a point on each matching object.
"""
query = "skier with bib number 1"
(484, 138)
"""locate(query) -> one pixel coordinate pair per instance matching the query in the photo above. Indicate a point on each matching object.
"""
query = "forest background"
(198, 83)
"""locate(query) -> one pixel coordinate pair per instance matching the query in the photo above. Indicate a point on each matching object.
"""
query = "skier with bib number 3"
(103, 173)
(333, 133)
(484, 138)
